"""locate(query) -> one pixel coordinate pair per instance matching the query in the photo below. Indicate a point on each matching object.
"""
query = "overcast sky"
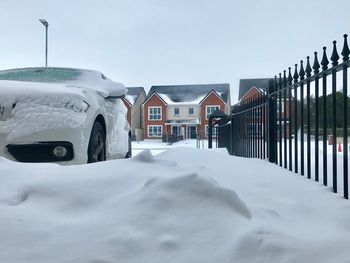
(155, 42)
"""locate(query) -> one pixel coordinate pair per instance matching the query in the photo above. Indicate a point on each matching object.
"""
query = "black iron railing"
(293, 122)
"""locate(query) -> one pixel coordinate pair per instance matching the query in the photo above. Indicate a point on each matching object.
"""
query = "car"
(62, 115)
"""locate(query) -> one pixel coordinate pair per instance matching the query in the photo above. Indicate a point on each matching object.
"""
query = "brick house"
(183, 110)
(250, 88)
(133, 101)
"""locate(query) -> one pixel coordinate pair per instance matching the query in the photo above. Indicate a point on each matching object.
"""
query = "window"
(210, 109)
(190, 111)
(176, 130)
(176, 111)
(215, 131)
(154, 130)
(154, 113)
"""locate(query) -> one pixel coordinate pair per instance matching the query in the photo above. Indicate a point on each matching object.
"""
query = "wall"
(136, 113)
(212, 99)
(128, 107)
(154, 100)
(183, 115)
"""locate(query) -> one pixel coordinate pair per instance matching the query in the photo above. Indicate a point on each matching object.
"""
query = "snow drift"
(168, 208)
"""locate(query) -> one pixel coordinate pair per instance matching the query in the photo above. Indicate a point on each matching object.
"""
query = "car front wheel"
(97, 144)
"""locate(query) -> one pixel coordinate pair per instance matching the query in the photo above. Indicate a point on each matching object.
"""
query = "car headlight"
(77, 106)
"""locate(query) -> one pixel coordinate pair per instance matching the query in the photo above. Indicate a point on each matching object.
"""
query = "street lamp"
(46, 24)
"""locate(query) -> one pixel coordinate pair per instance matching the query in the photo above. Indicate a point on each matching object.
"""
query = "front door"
(191, 132)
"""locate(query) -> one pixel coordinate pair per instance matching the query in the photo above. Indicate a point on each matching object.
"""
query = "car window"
(49, 75)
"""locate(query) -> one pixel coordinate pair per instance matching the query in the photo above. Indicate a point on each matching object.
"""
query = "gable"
(246, 84)
(156, 97)
(253, 91)
(209, 95)
(126, 102)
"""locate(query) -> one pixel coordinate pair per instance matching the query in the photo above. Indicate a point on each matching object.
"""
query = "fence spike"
(284, 78)
(345, 52)
(308, 68)
(335, 56)
(324, 61)
(280, 81)
(316, 65)
(296, 75)
(275, 84)
(302, 71)
(290, 78)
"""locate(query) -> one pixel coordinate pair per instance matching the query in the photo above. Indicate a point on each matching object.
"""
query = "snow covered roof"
(189, 94)
(133, 93)
(246, 84)
(84, 78)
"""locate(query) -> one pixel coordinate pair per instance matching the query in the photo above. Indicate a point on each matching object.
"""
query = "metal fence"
(296, 119)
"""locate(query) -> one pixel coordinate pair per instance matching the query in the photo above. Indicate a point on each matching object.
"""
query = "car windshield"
(45, 75)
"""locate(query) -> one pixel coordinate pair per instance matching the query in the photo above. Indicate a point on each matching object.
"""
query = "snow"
(131, 98)
(182, 205)
(31, 102)
(13, 91)
(58, 100)
(119, 136)
(106, 87)
(67, 77)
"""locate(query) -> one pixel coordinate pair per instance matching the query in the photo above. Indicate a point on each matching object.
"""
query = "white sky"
(155, 42)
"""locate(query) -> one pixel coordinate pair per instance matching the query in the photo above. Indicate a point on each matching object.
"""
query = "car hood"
(27, 108)
(12, 92)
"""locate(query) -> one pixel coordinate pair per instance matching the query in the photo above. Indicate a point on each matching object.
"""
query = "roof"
(218, 114)
(246, 84)
(133, 93)
(177, 94)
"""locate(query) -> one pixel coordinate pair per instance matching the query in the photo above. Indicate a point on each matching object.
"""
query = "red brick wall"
(250, 94)
(153, 101)
(212, 99)
(128, 107)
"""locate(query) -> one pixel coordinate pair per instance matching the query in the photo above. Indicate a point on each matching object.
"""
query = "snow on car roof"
(84, 78)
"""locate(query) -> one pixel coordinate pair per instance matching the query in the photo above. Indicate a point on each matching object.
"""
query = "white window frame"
(215, 131)
(210, 106)
(154, 136)
(189, 111)
(149, 113)
(176, 114)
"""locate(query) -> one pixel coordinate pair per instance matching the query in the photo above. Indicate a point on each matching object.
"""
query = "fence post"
(272, 121)
(210, 132)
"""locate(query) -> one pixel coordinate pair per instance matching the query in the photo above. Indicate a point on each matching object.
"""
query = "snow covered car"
(62, 115)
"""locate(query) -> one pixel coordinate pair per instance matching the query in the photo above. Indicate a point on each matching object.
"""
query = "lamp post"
(46, 24)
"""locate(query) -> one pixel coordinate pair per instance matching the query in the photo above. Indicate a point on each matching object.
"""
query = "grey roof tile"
(246, 84)
(188, 93)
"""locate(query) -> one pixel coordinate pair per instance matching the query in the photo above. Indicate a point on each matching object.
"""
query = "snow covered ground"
(182, 205)
(157, 146)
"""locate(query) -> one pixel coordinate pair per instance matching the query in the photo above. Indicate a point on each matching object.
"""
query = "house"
(252, 88)
(183, 110)
(133, 101)
(249, 88)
